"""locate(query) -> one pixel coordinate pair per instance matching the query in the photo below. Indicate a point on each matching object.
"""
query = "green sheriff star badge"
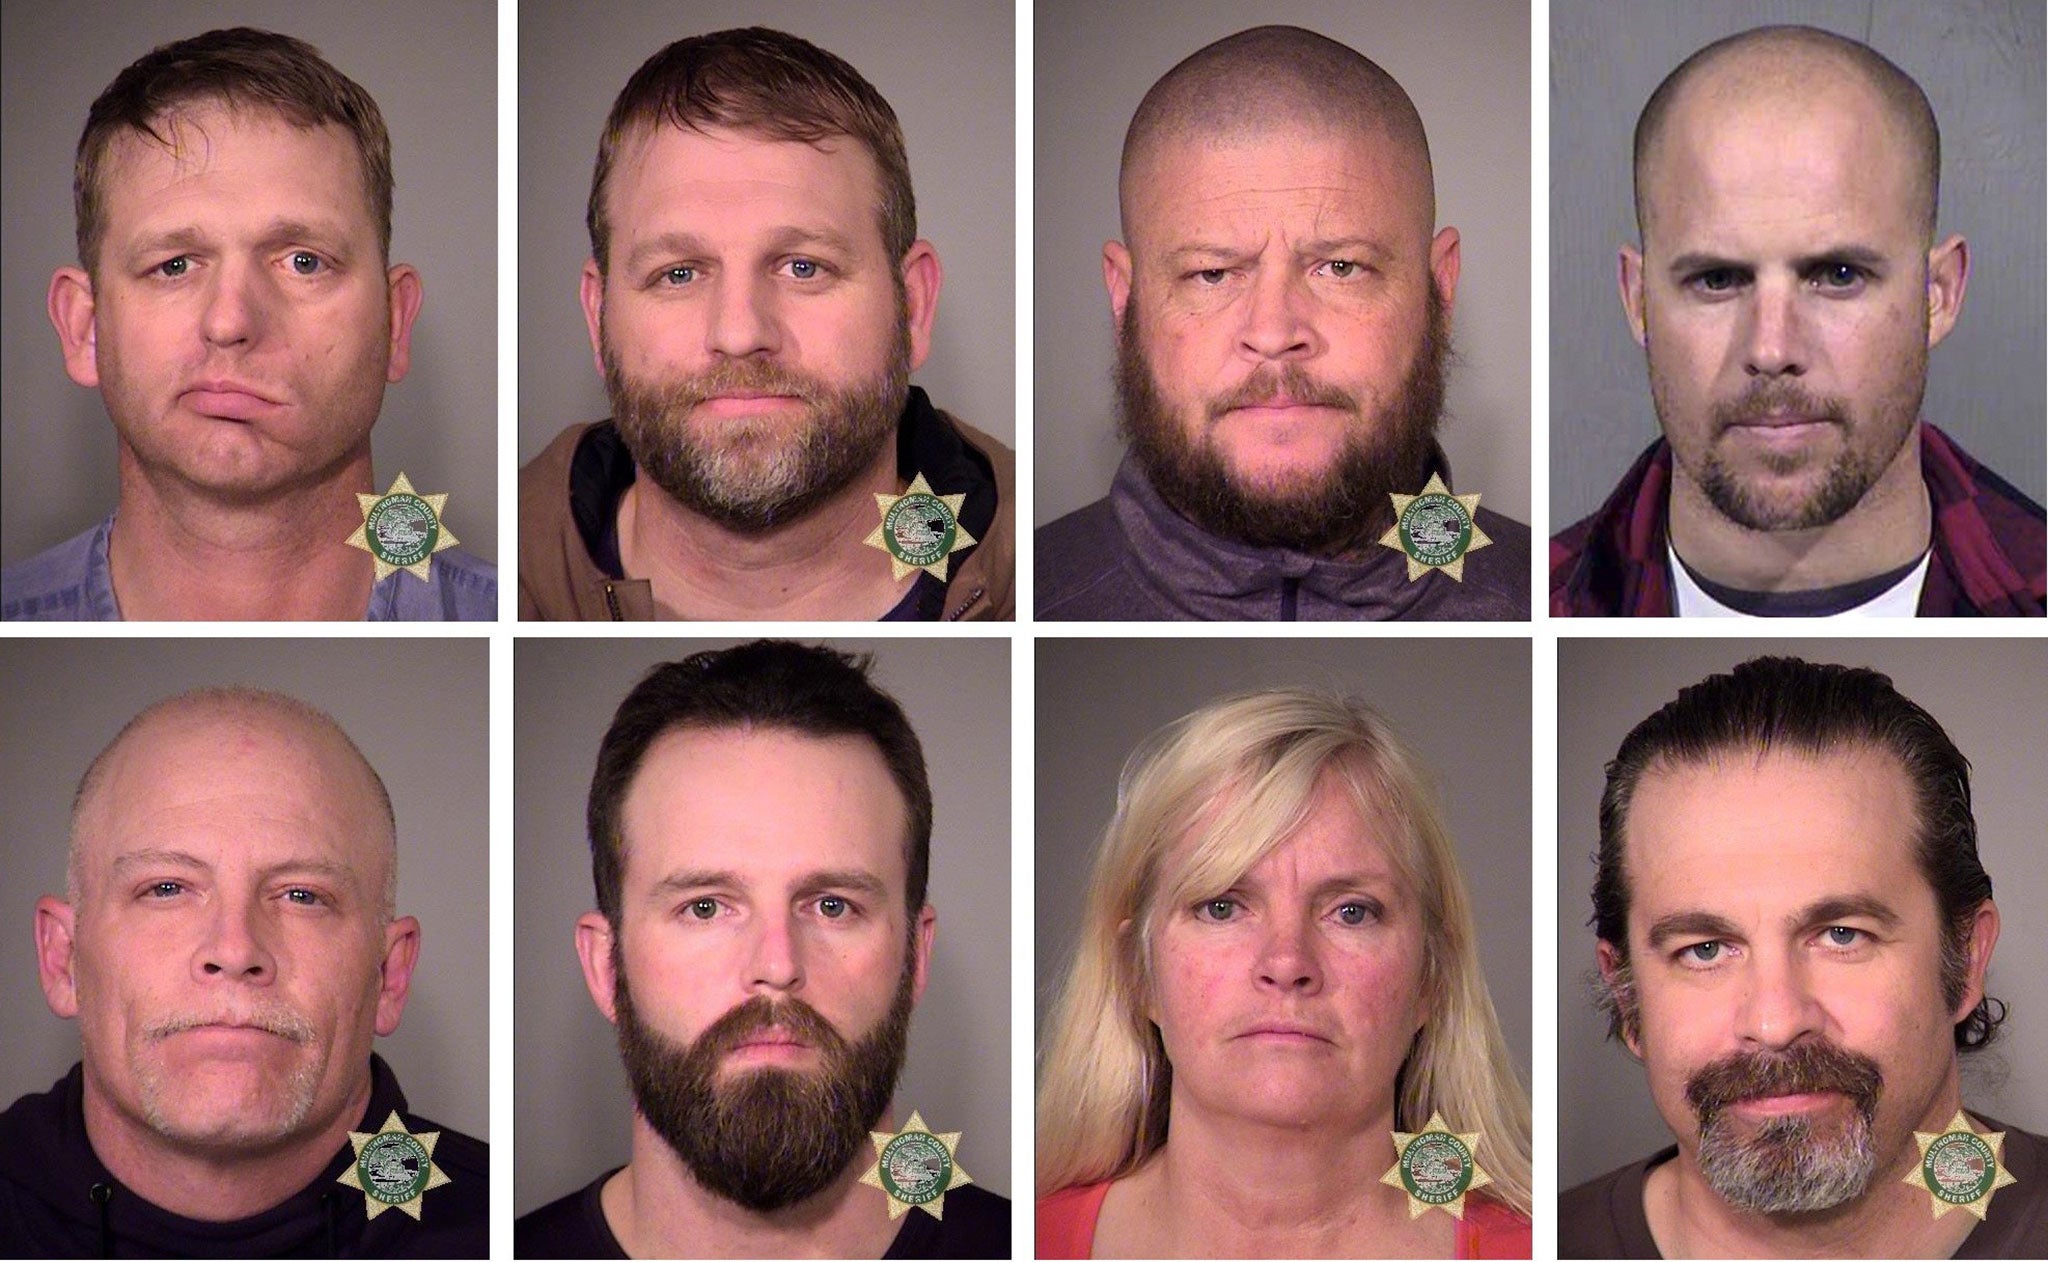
(1435, 529)
(394, 1167)
(402, 530)
(920, 530)
(1436, 1167)
(1960, 1168)
(916, 1167)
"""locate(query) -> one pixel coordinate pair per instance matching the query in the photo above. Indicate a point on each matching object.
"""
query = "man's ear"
(74, 310)
(594, 949)
(592, 293)
(1619, 988)
(922, 277)
(407, 292)
(1630, 277)
(1116, 277)
(1948, 275)
(921, 950)
(1444, 265)
(55, 926)
(1983, 940)
(394, 979)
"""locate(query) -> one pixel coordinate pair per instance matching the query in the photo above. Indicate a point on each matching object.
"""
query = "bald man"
(1283, 299)
(228, 945)
(1788, 289)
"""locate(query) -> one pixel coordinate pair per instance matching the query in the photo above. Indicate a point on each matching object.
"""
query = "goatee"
(1338, 511)
(764, 1139)
(1795, 1163)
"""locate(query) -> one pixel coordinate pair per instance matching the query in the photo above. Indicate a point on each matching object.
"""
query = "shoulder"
(463, 588)
(1491, 1229)
(1603, 1217)
(976, 1225)
(1066, 1220)
(572, 1226)
(54, 584)
(1078, 565)
(550, 469)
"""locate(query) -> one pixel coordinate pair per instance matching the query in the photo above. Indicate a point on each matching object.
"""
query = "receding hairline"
(217, 704)
(1265, 80)
(1785, 57)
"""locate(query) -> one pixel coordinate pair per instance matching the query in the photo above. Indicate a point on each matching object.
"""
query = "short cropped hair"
(767, 84)
(1233, 780)
(1903, 98)
(241, 68)
(1784, 703)
(772, 684)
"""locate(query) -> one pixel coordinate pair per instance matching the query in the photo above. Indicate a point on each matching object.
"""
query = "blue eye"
(803, 269)
(165, 889)
(1703, 952)
(303, 897)
(1843, 935)
(307, 263)
(832, 907)
(679, 275)
(1217, 910)
(1354, 913)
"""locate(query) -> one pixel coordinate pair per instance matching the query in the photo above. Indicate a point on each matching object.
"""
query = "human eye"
(1354, 912)
(173, 268)
(676, 277)
(705, 908)
(160, 890)
(1844, 937)
(834, 907)
(306, 263)
(805, 268)
(1217, 910)
(1838, 278)
(1701, 954)
(1207, 277)
(300, 896)
(1342, 269)
(1716, 280)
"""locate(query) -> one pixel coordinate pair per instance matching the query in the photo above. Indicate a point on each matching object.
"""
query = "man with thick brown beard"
(1283, 313)
(760, 831)
(757, 298)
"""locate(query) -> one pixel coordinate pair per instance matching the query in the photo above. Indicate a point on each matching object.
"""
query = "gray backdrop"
(1465, 63)
(1463, 705)
(1991, 696)
(948, 71)
(420, 714)
(1980, 63)
(432, 68)
(573, 1110)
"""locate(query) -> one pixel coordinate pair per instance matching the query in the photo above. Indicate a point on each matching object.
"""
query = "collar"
(601, 469)
(1206, 577)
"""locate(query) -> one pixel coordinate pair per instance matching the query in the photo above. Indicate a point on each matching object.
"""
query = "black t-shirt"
(976, 1225)
(1604, 1218)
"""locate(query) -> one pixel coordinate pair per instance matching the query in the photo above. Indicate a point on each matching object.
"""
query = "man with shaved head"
(229, 947)
(1789, 286)
(1282, 297)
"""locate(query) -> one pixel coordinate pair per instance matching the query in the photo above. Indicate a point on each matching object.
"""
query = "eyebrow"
(687, 245)
(152, 857)
(1691, 924)
(853, 880)
(1702, 924)
(276, 232)
(1850, 907)
(1704, 261)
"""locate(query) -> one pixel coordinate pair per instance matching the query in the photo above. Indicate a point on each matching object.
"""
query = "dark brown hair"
(767, 84)
(1782, 702)
(241, 68)
(773, 684)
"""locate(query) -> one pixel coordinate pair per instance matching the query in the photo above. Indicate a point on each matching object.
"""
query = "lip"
(747, 403)
(228, 400)
(1281, 408)
(230, 1034)
(1284, 1033)
(1784, 1105)
(771, 1044)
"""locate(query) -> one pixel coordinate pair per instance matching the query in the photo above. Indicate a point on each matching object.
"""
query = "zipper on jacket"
(1288, 588)
(966, 605)
(611, 603)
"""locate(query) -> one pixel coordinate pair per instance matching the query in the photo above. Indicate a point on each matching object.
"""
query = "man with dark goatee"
(757, 298)
(760, 829)
(1283, 303)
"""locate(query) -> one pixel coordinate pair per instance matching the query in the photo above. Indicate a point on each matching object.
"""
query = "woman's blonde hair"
(1233, 780)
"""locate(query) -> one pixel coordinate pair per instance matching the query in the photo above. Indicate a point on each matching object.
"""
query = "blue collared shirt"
(72, 582)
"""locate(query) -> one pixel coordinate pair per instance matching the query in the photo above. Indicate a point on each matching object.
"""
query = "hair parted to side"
(771, 684)
(1810, 708)
(763, 83)
(243, 69)
(1235, 779)
(220, 701)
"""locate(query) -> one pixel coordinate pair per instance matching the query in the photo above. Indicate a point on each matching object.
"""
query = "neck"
(1888, 528)
(214, 1186)
(1892, 1219)
(656, 1208)
(1224, 1187)
(179, 553)
(815, 567)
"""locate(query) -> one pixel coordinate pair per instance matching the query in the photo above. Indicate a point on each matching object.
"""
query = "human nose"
(1287, 957)
(1276, 317)
(237, 305)
(775, 963)
(236, 944)
(743, 318)
(1778, 1005)
(1775, 345)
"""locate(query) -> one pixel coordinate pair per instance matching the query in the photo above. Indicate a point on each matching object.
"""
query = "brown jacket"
(559, 580)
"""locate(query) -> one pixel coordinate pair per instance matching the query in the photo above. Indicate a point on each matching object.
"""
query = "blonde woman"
(1276, 971)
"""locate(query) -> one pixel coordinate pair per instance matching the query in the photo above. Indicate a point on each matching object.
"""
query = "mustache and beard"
(1335, 512)
(764, 1139)
(1789, 1164)
(753, 475)
(278, 1114)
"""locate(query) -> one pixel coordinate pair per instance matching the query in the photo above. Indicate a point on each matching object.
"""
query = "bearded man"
(757, 298)
(1283, 313)
(760, 831)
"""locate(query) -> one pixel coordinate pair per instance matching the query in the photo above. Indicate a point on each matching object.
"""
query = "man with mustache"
(236, 307)
(1794, 930)
(229, 946)
(1789, 287)
(757, 298)
(760, 828)
(1283, 303)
